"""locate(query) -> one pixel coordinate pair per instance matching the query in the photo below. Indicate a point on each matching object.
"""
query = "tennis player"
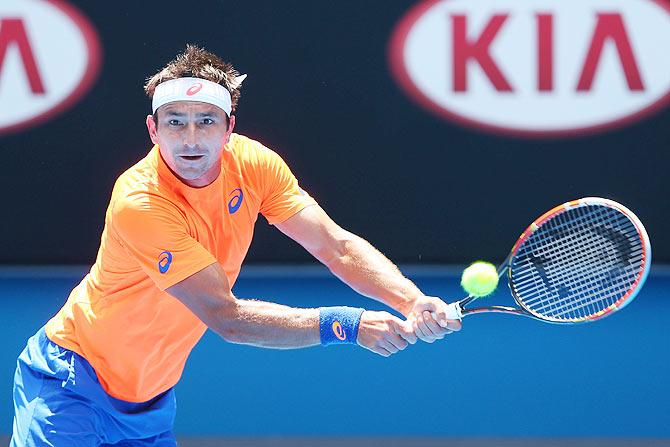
(177, 228)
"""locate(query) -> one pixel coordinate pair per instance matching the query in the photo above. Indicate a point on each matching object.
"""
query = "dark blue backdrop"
(319, 92)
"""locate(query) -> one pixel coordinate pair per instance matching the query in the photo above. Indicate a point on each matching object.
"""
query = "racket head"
(579, 262)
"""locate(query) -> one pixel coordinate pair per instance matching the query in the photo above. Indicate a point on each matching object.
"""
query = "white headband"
(194, 89)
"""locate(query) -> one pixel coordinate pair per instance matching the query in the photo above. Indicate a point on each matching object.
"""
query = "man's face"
(191, 136)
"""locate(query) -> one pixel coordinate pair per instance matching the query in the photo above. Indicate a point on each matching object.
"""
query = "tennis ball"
(480, 279)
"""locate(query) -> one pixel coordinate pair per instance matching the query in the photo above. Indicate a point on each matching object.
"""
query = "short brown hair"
(198, 63)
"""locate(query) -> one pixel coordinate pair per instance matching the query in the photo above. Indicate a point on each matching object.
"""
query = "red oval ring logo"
(34, 28)
(195, 88)
(499, 69)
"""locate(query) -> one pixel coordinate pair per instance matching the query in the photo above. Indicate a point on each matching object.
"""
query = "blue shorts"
(58, 402)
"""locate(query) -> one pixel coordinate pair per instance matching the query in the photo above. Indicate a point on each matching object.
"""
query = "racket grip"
(453, 312)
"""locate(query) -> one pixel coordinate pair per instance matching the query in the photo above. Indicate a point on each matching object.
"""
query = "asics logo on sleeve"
(164, 261)
(338, 330)
(236, 197)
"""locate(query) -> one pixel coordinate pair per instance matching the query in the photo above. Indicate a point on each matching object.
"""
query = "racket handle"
(453, 312)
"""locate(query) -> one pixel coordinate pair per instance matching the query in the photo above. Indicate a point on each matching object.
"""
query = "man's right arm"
(147, 224)
(259, 323)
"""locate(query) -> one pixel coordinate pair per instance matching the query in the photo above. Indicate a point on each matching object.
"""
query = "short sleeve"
(155, 233)
(282, 196)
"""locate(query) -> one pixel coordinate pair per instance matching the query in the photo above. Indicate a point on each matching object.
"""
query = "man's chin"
(191, 176)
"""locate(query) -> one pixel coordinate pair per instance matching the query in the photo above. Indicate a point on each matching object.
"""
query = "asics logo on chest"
(235, 201)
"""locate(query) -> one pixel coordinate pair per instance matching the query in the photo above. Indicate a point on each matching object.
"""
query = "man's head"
(193, 118)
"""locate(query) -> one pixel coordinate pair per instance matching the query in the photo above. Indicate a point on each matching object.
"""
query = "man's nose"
(190, 137)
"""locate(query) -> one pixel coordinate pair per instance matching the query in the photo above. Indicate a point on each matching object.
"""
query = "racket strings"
(578, 263)
(583, 304)
(588, 302)
(591, 260)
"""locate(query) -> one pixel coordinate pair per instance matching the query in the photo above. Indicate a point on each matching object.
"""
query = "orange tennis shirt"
(159, 231)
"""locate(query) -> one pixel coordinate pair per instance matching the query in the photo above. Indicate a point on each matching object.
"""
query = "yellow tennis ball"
(480, 279)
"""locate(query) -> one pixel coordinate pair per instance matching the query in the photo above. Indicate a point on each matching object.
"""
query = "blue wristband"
(339, 325)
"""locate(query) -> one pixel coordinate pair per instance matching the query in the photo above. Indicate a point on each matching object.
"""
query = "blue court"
(501, 376)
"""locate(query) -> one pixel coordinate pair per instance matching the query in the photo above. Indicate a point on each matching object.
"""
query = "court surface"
(504, 380)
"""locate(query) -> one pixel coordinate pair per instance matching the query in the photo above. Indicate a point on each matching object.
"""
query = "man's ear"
(152, 128)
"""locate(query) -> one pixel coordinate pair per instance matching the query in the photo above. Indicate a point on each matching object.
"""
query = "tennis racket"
(578, 262)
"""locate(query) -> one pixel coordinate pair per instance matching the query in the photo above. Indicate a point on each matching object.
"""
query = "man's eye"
(174, 122)
(208, 121)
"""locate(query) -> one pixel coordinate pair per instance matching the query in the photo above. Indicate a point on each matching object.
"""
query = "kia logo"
(49, 58)
(540, 68)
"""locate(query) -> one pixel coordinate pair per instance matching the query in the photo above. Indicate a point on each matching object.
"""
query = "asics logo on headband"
(195, 88)
(185, 89)
(338, 330)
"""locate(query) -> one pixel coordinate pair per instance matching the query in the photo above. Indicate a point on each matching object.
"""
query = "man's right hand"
(383, 333)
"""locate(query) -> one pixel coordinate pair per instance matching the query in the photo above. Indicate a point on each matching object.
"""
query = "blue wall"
(500, 376)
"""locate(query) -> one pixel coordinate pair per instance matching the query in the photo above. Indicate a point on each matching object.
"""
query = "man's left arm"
(366, 270)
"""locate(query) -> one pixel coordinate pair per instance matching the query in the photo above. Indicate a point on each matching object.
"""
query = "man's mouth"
(191, 157)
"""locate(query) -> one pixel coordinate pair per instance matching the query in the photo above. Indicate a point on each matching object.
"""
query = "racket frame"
(457, 310)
